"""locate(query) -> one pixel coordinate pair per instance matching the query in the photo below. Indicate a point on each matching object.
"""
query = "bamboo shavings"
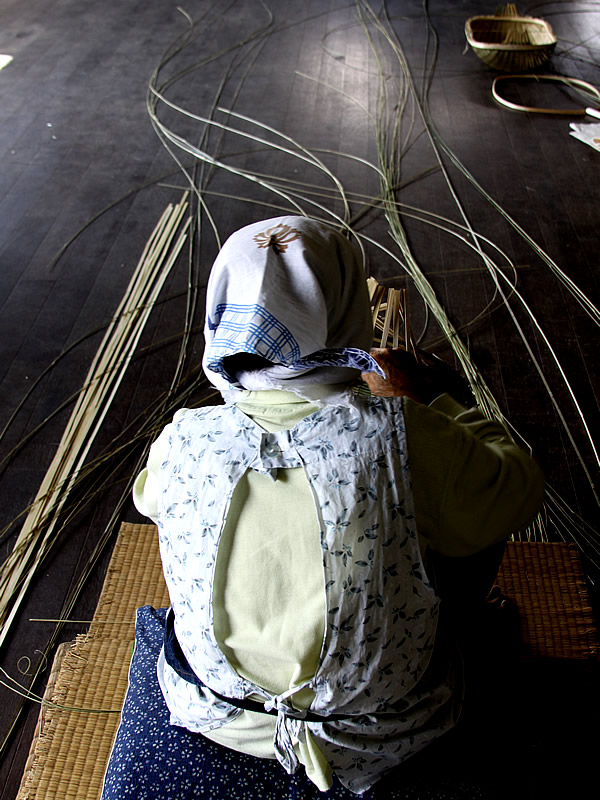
(556, 511)
(399, 102)
(389, 152)
(43, 523)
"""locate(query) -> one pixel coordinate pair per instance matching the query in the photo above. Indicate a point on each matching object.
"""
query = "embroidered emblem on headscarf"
(277, 237)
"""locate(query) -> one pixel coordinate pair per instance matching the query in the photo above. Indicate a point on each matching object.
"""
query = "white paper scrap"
(587, 132)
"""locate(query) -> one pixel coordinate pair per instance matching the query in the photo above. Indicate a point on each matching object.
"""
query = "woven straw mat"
(69, 755)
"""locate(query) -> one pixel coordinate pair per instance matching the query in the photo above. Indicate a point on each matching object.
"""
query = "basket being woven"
(508, 42)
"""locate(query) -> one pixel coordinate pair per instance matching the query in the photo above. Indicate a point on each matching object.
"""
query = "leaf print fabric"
(381, 610)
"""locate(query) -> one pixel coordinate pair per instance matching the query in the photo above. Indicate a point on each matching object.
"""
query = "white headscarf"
(293, 291)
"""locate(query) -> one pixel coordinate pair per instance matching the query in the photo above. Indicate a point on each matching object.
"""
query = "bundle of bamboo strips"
(391, 321)
(43, 522)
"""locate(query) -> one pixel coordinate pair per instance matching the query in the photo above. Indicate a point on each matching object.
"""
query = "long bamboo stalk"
(104, 376)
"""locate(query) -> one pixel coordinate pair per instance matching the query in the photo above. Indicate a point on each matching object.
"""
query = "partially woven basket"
(391, 324)
(508, 42)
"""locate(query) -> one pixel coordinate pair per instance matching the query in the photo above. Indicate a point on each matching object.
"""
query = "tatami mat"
(69, 756)
(134, 579)
(546, 582)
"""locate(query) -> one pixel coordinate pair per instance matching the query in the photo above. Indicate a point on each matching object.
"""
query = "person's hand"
(404, 376)
(422, 382)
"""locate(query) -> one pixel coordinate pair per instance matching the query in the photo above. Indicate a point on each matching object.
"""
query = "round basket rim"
(516, 48)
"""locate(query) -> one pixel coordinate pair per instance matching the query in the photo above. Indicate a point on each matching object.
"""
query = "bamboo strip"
(563, 79)
(391, 318)
(105, 374)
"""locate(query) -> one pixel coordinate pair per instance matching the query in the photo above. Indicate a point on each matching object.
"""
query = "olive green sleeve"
(472, 485)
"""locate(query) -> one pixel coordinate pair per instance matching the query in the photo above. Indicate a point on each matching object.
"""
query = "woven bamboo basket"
(508, 42)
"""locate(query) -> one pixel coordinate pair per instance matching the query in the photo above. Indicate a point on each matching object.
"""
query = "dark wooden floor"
(81, 166)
